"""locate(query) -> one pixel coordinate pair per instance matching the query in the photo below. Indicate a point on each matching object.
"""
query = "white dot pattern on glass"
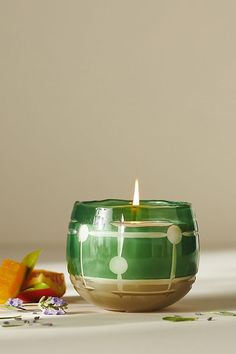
(118, 265)
(83, 233)
(174, 234)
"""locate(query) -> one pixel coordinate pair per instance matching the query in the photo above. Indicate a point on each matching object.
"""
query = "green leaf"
(9, 317)
(30, 260)
(179, 318)
(225, 313)
(41, 300)
(9, 307)
(13, 325)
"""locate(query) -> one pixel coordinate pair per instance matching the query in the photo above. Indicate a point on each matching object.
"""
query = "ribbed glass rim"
(123, 203)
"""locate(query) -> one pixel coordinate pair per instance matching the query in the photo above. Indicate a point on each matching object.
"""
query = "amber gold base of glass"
(132, 295)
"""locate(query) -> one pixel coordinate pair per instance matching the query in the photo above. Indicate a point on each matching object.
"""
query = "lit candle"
(136, 193)
(135, 202)
(132, 255)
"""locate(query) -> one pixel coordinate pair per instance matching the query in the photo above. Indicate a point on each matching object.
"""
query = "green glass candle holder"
(132, 258)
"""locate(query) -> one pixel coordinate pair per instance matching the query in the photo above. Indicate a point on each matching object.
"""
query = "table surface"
(89, 329)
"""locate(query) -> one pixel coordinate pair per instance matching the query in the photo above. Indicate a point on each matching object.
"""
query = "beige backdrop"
(95, 93)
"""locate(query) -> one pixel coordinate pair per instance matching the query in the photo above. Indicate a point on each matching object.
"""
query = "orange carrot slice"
(12, 275)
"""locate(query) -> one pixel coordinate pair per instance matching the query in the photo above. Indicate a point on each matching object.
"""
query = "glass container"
(132, 258)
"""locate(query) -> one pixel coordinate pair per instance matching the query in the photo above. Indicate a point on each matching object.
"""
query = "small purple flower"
(57, 301)
(60, 312)
(50, 311)
(52, 305)
(14, 302)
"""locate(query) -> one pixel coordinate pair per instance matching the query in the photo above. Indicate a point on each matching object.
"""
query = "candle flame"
(136, 193)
